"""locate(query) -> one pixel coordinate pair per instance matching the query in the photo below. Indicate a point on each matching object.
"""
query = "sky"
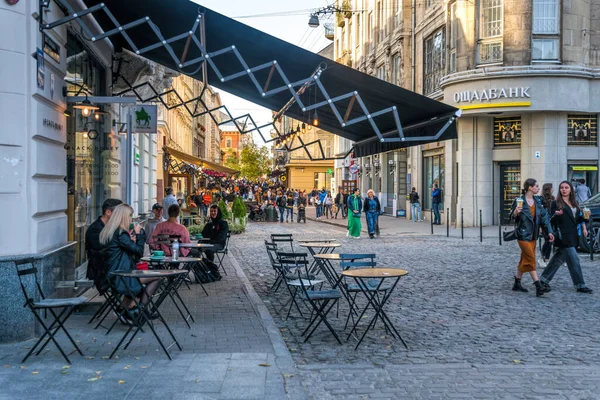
(291, 27)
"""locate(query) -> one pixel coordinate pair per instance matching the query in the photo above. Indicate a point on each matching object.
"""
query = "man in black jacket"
(216, 230)
(95, 269)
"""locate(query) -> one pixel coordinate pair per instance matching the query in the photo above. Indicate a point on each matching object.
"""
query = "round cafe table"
(375, 300)
(191, 264)
(317, 247)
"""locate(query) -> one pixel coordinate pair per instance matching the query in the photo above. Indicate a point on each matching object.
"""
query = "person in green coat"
(354, 208)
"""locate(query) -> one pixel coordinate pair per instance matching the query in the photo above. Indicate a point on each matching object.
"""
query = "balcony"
(329, 30)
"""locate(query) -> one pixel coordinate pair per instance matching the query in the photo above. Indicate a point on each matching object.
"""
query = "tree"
(232, 160)
(254, 162)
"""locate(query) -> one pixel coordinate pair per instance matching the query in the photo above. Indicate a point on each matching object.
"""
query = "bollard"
(499, 230)
(447, 222)
(431, 218)
(480, 228)
(462, 224)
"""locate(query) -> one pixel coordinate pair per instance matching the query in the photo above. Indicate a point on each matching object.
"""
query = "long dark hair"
(547, 194)
(559, 200)
(527, 184)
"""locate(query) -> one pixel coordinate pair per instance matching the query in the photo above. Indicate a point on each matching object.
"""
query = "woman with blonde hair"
(123, 244)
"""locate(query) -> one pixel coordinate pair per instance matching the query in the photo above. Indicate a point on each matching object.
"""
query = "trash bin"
(271, 214)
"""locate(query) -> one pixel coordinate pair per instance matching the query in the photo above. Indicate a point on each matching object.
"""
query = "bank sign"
(469, 96)
(145, 119)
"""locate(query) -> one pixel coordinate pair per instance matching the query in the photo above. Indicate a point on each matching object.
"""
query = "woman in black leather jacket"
(121, 250)
(530, 215)
(565, 217)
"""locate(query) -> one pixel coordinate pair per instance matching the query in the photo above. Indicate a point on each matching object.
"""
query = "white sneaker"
(542, 263)
(347, 233)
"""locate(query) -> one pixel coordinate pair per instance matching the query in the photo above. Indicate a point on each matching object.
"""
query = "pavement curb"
(283, 357)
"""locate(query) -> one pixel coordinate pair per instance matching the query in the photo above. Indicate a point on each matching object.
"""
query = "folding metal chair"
(318, 299)
(64, 307)
(283, 239)
(220, 254)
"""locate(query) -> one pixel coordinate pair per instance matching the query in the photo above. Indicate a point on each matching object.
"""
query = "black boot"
(517, 286)
(546, 287)
(539, 288)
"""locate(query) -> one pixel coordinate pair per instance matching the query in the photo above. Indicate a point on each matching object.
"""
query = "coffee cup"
(519, 202)
(586, 213)
(158, 253)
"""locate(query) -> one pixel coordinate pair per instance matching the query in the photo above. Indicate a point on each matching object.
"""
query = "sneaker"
(585, 290)
(542, 263)
(347, 233)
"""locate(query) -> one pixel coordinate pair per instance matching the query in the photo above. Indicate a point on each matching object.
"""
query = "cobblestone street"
(468, 334)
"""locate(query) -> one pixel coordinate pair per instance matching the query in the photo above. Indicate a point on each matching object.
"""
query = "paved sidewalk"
(392, 226)
(233, 351)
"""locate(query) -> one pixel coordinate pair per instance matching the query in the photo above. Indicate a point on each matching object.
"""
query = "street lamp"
(86, 107)
(313, 21)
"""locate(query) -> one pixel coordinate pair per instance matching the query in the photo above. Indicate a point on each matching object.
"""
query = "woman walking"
(328, 203)
(565, 217)
(372, 209)
(354, 207)
(547, 199)
(530, 215)
(122, 248)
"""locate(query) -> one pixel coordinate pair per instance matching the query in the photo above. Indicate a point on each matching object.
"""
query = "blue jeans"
(371, 221)
(572, 259)
(436, 214)
(319, 210)
(415, 210)
(290, 213)
(281, 212)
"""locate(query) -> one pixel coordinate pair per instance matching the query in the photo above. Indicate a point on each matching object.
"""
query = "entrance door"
(510, 188)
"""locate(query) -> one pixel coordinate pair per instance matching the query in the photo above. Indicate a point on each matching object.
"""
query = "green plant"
(238, 209)
(237, 227)
(195, 229)
(224, 210)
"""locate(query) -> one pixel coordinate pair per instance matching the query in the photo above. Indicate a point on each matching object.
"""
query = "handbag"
(507, 235)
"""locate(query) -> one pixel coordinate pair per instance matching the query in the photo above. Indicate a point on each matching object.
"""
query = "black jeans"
(546, 249)
(570, 256)
(210, 253)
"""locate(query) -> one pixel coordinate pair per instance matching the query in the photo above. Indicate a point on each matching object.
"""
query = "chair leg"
(221, 258)
(50, 334)
(323, 318)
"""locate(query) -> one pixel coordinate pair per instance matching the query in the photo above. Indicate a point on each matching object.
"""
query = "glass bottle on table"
(175, 256)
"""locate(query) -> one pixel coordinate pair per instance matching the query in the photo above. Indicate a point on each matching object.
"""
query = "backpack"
(282, 202)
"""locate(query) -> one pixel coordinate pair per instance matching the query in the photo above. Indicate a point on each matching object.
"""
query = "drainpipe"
(413, 46)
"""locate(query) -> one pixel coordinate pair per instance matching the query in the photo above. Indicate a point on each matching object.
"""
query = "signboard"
(145, 120)
(136, 159)
(330, 171)
(51, 48)
(353, 168)
(585, 168)
(538, 154)
(491, 94)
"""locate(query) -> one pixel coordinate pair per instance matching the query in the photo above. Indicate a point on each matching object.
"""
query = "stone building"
(523, 72)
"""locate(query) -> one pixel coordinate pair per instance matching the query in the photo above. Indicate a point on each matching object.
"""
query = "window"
(491, 27)
(453, 33)
(228, 143)
(357, 33)
(583, 130)
(507, 131)
(546, 30)
(398, 13)
(435, 61)
(381, 72)
(370, 29)
(380, 24)
(433, 172)
(396, 77)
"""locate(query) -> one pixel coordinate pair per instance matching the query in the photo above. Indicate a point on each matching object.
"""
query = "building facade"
(523, 72)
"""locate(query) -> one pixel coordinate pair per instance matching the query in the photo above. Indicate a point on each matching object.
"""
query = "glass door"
(510, 188)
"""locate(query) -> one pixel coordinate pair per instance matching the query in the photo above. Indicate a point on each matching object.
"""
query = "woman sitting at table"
(121, 249)
(170, 228)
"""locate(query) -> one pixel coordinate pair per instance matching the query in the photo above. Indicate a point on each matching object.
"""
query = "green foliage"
(238, 208)
(232, 160)
(195, 229)
(224, 210)
(235, 227)
(254, 162)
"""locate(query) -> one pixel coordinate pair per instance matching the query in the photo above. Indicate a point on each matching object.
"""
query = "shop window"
(228, 143)
(507, 131)
(582, 130)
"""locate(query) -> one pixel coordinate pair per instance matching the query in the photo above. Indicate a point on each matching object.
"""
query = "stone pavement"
(392, 226)
(468, 334)
(233, 351)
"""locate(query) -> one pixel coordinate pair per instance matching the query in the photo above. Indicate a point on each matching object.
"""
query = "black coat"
(565, 226)
(528, 226)
(95, 268)
(122, 254)
(216, 230)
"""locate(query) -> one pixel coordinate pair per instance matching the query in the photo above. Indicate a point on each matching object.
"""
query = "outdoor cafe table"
(153, 306)
(374, 300)
(168, 263)
(323, 248)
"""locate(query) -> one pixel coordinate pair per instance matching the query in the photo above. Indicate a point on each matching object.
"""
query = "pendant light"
(86, 107)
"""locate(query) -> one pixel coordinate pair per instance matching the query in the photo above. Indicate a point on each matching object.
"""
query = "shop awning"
(200, 162)
(376, 115)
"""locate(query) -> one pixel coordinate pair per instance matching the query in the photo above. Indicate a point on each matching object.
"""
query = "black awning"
(173, 18)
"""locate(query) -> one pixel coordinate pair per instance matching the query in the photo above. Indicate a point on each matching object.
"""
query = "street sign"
(330, 171)
(538, 154)
(353, 168)
(136, 160)
(145, 119)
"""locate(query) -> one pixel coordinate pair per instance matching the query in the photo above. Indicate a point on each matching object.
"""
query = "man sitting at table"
(170, 228)
(216, 230)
